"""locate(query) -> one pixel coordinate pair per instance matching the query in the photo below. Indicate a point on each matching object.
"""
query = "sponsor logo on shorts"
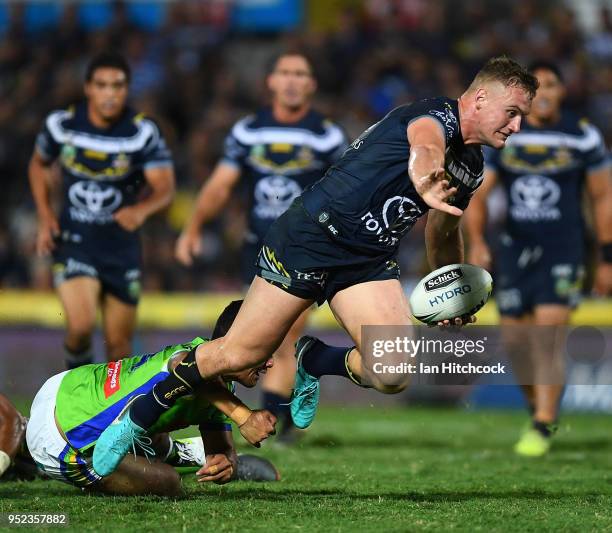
(72, 268)
(319, 277)
(112, 383)
(443, 280)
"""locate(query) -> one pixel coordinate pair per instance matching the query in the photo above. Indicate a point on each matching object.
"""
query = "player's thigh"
(551, 315)
(373, 303)
(280, 377)
(266, 315)
(79, 297)
(136, 475)
(119, 322)
(287, 347)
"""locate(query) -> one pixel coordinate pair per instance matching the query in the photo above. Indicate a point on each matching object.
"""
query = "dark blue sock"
(324, 360)
(277, 404)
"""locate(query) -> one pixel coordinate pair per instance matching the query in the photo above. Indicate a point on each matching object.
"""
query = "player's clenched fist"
(130, 218)
(218, 469)
(259, 426)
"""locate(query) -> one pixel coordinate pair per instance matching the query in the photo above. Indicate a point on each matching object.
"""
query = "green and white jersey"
(90, 397)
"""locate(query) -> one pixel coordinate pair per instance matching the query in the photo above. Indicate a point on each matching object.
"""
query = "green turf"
(379, 470)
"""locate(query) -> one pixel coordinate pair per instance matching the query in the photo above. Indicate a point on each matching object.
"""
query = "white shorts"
(52, 454)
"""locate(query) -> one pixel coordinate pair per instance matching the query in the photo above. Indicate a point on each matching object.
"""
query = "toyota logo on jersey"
(92, 202)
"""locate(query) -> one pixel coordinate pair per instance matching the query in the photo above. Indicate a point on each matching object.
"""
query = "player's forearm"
(161, 197)
(444, 242)
(226, 402)
(424, 160)
(211, 201)
(602, 209)
(217, 441)
(475, 218)
(39, 185)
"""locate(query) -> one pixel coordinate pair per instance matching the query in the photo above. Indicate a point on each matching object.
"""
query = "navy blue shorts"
(300, 258)
(119, 275)
(531, 275)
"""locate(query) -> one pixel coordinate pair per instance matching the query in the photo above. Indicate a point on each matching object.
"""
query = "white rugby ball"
(449, 292)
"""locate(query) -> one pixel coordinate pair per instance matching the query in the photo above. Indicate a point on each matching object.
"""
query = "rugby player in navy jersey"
(107, 154)
(277, 152)
(339, 240)
(540, 262)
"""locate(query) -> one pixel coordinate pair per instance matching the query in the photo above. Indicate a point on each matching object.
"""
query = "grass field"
(378, 470)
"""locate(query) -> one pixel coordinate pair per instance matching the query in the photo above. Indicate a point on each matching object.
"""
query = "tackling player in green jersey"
(72, 409)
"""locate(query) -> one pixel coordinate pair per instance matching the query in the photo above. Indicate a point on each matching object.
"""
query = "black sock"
(76, 358)
(278, 405)
(181, 381)
(547, 429)
(324, 360)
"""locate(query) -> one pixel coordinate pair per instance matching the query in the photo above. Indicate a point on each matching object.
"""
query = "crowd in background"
(196, 75)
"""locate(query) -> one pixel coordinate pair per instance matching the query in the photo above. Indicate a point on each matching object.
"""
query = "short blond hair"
(507, 71)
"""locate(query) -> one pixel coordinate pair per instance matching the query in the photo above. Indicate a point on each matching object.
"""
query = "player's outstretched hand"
(258, 427)
(436, 193)
(187, 247)
(130, 218)
(218, 469)
(48, 230)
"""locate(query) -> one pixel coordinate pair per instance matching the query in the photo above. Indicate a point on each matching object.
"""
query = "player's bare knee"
(117, 348)
(392, 389)
(242, 359)
(390, 383)
(76, 341)
(232, 356)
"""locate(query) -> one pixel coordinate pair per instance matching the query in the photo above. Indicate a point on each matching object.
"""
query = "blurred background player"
(107, 153)
(72, 408)
(278, 152)
(540, 263)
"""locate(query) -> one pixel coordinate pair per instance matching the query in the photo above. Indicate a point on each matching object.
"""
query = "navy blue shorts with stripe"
(301, 259)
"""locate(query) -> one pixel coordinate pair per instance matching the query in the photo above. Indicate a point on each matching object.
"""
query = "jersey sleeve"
(235, 151)
(596, 154)
(46, 143)
(443, 112)
(155, 152)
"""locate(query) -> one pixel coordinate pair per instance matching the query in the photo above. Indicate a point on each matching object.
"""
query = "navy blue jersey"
(102, 171)
(542, 171)
(279, 160)
(367, 201)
